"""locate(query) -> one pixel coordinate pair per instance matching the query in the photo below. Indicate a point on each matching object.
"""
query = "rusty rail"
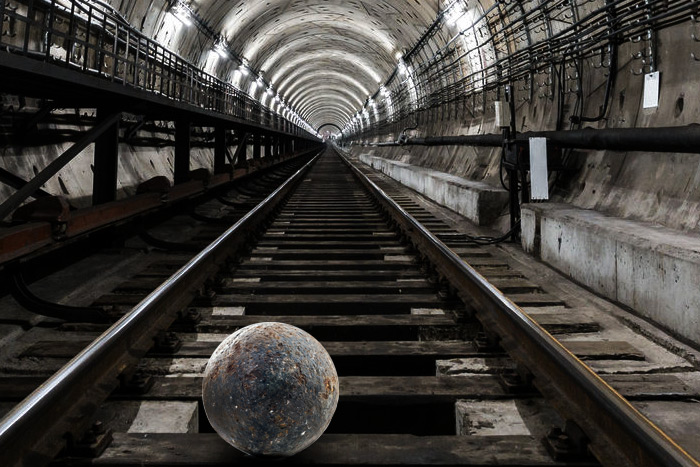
(35, 430)
(619, 434)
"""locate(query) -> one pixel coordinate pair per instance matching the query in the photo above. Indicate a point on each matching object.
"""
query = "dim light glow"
(221, 48)
(182, 13)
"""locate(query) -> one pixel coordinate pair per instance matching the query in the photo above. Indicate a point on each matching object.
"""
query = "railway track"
(381, 282)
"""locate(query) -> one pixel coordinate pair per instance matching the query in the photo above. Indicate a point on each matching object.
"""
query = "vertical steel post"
(284, 144)
(509, 135)
(276, 147)
(105, 162)
(182, 150)
(241, 155)
(268, 145)
(219, 150)
(257, 137)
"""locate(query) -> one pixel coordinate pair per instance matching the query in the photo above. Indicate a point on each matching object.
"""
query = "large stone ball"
(270, 389)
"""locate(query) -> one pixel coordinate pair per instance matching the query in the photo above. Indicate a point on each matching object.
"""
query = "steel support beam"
(14, 201)
(219, 150)
(8, 178)
(31, 123)
(182, 150)
(268, 145)
(242, 151)
(257, 145)
(106, 163)
(272, 146)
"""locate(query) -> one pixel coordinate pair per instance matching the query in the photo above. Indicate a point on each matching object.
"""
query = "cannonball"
(270, 389)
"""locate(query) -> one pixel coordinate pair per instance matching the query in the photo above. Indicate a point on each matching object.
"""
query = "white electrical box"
(539, 176)
(502, 114)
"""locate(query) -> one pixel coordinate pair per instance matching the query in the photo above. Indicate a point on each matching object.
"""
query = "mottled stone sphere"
(270, 389)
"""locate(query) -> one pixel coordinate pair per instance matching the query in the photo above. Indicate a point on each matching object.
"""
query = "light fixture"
(182, 13)
(212, 58)
(220, 47)
(456, 15)
(403, 69)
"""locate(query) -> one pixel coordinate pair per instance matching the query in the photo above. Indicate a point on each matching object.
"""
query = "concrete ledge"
(650, 268)
(479, 202)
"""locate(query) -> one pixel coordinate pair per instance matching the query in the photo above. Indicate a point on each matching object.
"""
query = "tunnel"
(561, 135)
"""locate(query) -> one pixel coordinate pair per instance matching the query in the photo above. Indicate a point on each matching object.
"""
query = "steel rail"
(619, 434)
(35, 430)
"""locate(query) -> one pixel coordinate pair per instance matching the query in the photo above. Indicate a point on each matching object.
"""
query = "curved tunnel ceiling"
(324, 57)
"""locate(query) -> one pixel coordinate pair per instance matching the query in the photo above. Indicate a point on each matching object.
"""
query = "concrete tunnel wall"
(194, 42)
(357, 65)
(660, 188)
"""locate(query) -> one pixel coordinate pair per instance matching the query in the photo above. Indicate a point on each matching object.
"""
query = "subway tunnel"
(547, 150)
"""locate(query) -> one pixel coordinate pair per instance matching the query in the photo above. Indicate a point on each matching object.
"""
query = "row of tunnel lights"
(358, 120)
(181, 12)
(456, 15)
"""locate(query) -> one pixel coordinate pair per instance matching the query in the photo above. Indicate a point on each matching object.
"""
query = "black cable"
(500, 171)
(614, 22)
(485, 240)
(610, 84)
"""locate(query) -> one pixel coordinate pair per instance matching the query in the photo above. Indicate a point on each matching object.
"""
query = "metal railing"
(93, 38)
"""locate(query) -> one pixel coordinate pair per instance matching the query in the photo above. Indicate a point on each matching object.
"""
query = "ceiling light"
(403, 69)
(182, 12)
(220, 47)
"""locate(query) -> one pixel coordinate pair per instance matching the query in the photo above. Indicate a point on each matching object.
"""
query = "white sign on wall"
(651, 90)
